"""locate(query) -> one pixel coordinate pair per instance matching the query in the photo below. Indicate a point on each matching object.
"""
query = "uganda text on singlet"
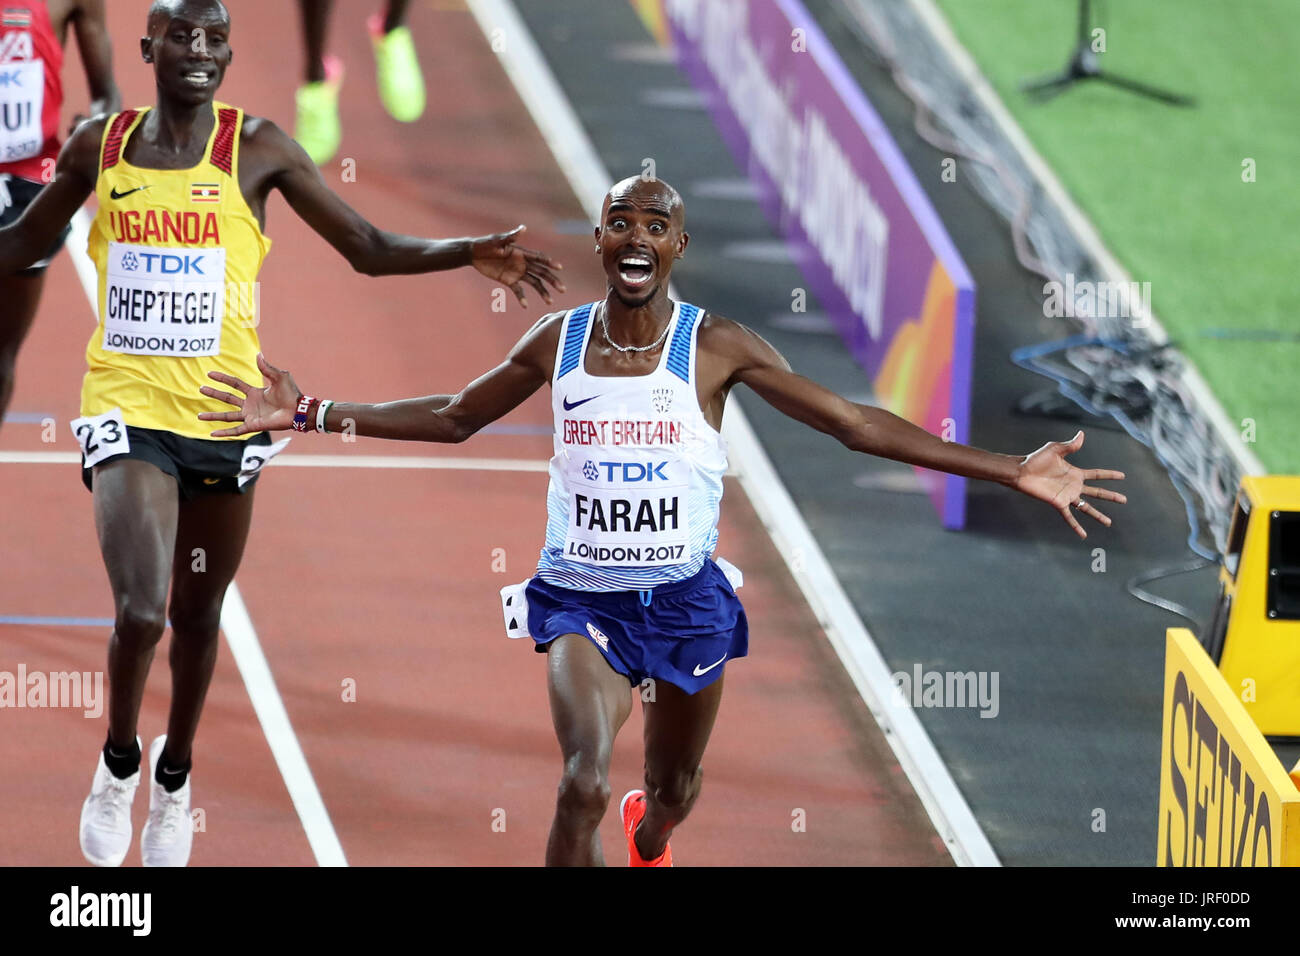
(636, 478)
(178, 253)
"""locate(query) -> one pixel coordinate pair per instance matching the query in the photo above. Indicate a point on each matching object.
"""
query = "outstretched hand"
(500, 259)
(1047, 476)
(265, 409)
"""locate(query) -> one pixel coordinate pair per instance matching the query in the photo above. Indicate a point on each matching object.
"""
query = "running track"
(387, 576)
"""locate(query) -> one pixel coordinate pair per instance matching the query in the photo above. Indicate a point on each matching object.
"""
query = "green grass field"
(1164, 185)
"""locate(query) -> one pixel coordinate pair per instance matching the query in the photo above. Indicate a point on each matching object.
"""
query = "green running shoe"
(317, 128)
(397, 70)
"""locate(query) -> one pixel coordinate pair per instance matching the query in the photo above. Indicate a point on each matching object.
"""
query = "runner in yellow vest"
(178, 243)
(178, 253)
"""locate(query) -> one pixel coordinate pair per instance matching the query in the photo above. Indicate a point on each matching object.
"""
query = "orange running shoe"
(632, 809)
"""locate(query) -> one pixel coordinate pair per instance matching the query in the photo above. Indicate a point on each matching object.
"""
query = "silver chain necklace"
(604, 327)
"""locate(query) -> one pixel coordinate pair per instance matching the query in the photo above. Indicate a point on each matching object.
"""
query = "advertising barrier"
(1225, 798)
(833, 181)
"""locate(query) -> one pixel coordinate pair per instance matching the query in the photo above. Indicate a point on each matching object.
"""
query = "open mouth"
(635, 271)
(197, 78)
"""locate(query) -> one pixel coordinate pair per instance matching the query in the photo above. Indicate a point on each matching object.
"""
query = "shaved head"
(188, 43)
(163, 11)
(642, 231)
(648, 193)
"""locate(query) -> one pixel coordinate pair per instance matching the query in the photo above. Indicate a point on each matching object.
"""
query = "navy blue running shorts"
(682, 633)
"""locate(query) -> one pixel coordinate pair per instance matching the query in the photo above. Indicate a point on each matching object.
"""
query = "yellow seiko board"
(1225, 799)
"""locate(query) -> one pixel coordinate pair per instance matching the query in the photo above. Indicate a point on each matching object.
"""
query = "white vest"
(636, 479)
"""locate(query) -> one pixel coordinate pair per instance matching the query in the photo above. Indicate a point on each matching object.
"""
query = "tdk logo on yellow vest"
(163, 263)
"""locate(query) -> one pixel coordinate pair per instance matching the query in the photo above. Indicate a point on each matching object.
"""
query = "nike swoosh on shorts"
(701, 671)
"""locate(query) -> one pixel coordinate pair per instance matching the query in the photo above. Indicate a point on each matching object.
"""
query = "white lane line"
(278, 730)
(862, 659)
(39, 457)
(78, 236)
(401, 461)
(398, 462)
(588, 178)
(240, 636)
(287, 460)
(744, 190)
(321, 461)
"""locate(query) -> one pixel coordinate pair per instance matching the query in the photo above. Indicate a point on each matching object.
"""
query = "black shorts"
(22, 193)
(200, 466)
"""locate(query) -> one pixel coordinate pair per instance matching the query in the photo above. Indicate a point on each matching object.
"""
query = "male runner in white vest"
(626, 589)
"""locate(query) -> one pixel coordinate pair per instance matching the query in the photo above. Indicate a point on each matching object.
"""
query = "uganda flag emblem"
(205, 192)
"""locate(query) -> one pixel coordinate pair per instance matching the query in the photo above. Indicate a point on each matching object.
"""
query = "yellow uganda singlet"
(178, 253)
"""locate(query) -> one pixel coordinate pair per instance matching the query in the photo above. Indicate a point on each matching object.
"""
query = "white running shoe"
(106, 816)
(168, 833)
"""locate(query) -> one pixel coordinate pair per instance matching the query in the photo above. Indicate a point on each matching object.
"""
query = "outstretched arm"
(375, 252)
(436, 418)
(1043, 474)
(31, 236)
(96, 56)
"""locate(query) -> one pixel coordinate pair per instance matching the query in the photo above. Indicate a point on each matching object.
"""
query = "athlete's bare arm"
(731, 354)
(435, 418)
(270, 159)
(74, 179)
(96, 51)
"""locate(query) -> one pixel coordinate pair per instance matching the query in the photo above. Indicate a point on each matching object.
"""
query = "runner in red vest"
(32, 33)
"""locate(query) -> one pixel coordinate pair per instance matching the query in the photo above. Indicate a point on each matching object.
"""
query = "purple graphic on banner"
(833, 181)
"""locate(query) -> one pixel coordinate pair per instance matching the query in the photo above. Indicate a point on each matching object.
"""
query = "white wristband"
(325, 406)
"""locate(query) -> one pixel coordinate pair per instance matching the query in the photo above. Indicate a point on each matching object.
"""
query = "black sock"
(169, 776)
(121, 763)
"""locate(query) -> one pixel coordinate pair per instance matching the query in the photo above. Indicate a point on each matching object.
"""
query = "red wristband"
(304, 415)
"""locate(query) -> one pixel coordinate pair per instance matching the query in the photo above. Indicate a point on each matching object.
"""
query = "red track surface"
(450, 722)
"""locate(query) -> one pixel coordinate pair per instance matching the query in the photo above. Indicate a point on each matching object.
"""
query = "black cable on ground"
(1156, 574)
(1134, 382)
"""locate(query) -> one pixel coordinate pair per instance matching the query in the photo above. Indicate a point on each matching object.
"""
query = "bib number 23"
(101, 437)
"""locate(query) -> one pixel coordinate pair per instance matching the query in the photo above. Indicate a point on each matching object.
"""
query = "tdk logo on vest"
(164, 263)
(631, 471)
(8, 79)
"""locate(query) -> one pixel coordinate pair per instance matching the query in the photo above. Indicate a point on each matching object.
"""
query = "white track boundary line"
(78, 237)
(938, 25)
(398, 462)
(929, 776)
(242, 640)
(278, 730)
(419, 463)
